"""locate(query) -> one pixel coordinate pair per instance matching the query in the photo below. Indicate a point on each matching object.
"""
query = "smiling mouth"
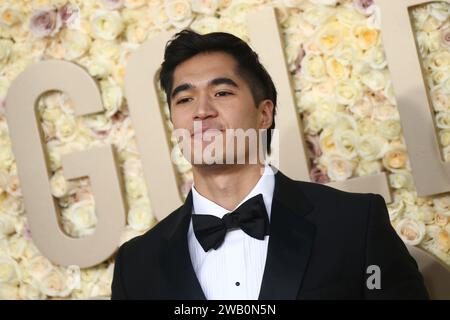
(205, 130)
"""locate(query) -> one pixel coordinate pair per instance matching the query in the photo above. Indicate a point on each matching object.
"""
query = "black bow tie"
(251, 217)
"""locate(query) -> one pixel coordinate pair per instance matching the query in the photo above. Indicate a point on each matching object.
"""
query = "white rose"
(107, 25)
(9, 291)
(100, 124)
(81, 217)
(362, 108)
(349, 16)
(13, 186)
(159, 17)
(385, 111)
(395, 159)
(343, 121)
(390, 129)
(105, 49)
(58, 184)
(7, 225)
(338, 168)
(179, 12)
(318, 120)
(439, 60)
(29, 292)
(128, 234)
(54, 155)
(441, 220)
(444, 137)
(75, 43)
(13, 205)
(66, 128)
(401, 179)
(443, 120)
(112, 96)
(425, 214)
(316, 15)
(326, 142)
(368, 168)
(346, 142)
(136, 33)
(376, 58)
(56, 284)
(439, 11)
(17, 246)
(9, 271)
(366, 37)
(38, 266)
(411, 231)
(140, 216)
(371, 147)
(9, 16)
(440, 99)
(6, 155)
(179, 160)
(324, 2)
(313, 68)
(336, 70)
(135, 187)
(347, 92)
(206, 7)
(329, 36)
(375, 80)
(388, 92)
(395, 209)
(442, 205)
(346, 53)
(205, 25)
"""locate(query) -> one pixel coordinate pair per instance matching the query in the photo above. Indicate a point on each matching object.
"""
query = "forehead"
(205, 66)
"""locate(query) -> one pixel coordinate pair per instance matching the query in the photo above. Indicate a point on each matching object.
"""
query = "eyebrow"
(211, 83)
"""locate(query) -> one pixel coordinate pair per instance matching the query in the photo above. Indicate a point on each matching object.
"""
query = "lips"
(206, 129)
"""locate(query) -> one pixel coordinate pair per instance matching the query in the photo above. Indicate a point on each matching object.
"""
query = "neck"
(226, 185)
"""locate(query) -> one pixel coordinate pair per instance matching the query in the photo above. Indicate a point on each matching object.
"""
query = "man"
(244, 232)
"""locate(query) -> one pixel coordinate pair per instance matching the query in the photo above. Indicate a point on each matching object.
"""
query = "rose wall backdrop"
(343, 93)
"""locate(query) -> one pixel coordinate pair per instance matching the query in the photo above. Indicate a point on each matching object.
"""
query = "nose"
(204, 108)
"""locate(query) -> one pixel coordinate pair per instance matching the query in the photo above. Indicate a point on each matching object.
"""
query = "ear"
(265, 114)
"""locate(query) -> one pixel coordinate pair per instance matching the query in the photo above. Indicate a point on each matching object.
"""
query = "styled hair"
(187, 43)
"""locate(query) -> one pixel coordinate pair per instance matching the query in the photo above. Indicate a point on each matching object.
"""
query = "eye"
(184, 100)
(223, 93)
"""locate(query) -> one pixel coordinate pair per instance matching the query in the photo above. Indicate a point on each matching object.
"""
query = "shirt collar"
(265, 186)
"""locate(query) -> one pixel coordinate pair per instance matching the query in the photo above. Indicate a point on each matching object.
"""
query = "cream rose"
(326, 142)
(390, 129)
(9, 16)
(443, 120)
(349, 16)
(385, 111)
(336, 70)
(29, 292)
(134, 4)
(9, 291)
(347, 92)
(135, 187)
(313, 68)
(7, 225)
(17, 245)
(439, 10)
(316, 15)
(439, 60)
(75, 43)
(318, 120)
(13, 205)
(371, 147)
(368, 168)
(401, 179)
(112, 96)
(346, 143)
(9, 271)
(367, 126)
(205, 25)
(66, 128)
(107, 25)
(362, 108)
(55, 283)
(338, 168)
(58, 184)
(375, 80)
(81, 218)
(365, 37)
(179, 12)
(395, 159)
(395, 209)
(442, 205)
(444, 137)
(206, 7)
(140, 216)
(5, 50)
(329, 36)
(412, 231)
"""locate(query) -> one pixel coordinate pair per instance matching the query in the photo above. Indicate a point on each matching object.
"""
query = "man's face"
(208, 97)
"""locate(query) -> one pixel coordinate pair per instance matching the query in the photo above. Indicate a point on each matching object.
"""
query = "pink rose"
(318, 176)
(70, 14)
(45, 22)
(446, 37)
(313, 146)
(366, 7)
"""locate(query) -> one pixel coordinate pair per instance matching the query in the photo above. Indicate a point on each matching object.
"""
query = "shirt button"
(237, 284)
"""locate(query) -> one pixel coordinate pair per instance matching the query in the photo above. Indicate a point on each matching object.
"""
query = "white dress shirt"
(235, 269)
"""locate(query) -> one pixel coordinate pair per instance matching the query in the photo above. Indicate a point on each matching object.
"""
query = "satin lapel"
(176, 260)
(290, 242)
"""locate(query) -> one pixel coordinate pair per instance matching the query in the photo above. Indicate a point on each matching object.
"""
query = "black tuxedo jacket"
(322, 242)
